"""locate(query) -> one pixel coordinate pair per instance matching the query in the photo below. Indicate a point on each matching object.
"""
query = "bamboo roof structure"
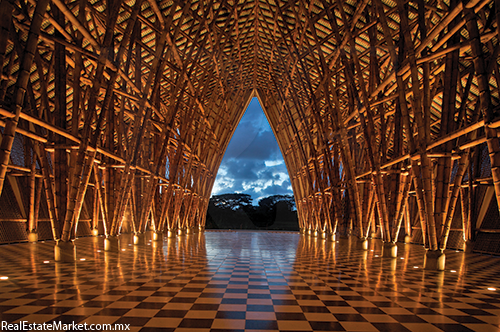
(386, 112)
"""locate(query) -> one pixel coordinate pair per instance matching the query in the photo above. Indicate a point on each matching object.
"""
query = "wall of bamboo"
(115, 115)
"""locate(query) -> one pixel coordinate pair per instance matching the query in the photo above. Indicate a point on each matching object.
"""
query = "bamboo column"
(32, 218)
(462, 167)
(49, 189)
(85, 159)
(484, 97)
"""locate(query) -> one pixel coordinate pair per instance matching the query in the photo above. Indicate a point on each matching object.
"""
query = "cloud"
(253, 163)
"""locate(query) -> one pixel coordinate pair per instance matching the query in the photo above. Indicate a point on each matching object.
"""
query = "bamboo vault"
(116, 113)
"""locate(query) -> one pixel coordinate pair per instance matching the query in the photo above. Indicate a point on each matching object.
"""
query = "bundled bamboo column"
(85, 158)
(346, 156)
(484, 97)
(368, 126)
(401, 204)
(448, 124)
(421, 173)
(49, 191)
(102, 204)
(445, 232)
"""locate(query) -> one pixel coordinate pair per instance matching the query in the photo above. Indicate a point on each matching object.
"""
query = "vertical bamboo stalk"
(101, 199)
(465, 213)
(49, 192)
(370, 211)
(400, 205)
(95, 208)
(420, 200)
(38, 199)
(408, 229)
(134, 206)
(32, 226)
(462, 166)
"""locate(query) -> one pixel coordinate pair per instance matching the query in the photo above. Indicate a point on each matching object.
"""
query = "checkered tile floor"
(250, 281)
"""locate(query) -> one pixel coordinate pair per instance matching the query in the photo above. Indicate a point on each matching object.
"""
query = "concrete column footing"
(64, 251)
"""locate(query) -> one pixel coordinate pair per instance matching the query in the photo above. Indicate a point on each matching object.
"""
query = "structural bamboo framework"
(382, 110)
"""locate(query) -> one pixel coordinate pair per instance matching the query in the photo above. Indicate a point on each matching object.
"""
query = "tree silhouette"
(236, 211)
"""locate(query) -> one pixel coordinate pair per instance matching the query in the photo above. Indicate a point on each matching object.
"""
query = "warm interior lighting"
(46, 262)
(415, 267)
(453, 271)
(492, 289)
(82, 259)
(4, 278)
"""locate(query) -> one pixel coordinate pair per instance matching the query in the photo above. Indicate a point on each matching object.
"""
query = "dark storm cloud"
(253, 139)
(253, 163)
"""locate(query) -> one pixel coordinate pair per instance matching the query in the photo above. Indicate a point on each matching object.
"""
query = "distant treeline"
(236, 211)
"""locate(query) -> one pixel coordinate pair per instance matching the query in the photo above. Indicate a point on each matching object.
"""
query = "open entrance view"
(252, 189)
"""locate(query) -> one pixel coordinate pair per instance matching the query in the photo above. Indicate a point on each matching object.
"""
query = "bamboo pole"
(60, 110)
(20, 87)
(95, 209)
(401, 204)
(49, 192)
(370, 212)
(101, 199)
(445, 232)
(448, 124)
(32, 225)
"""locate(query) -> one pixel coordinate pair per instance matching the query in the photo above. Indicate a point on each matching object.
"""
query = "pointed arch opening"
(252, 189)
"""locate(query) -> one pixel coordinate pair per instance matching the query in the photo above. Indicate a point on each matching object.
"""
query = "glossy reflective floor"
(244, 281)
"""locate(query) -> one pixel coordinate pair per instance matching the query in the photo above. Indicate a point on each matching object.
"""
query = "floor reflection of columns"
(249, 280)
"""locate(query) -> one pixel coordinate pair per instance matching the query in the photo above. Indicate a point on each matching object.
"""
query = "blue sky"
(253, 163)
